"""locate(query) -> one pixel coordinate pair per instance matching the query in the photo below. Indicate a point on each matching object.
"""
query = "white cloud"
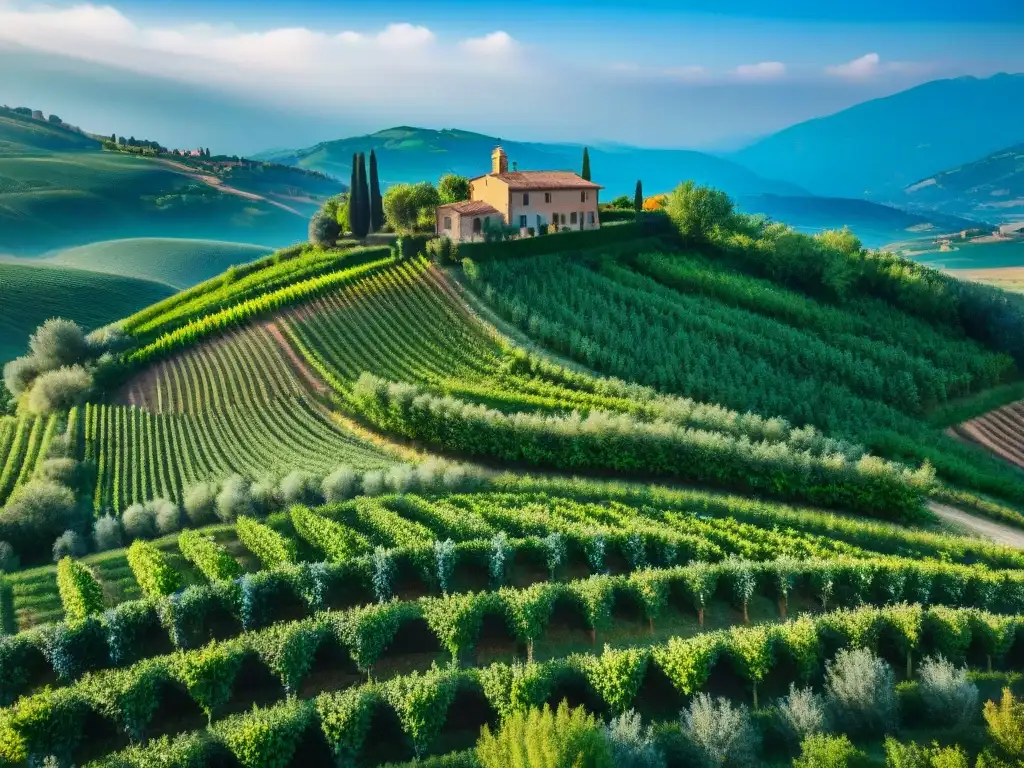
(496, 43)
(766, 70)
(866, 66)
(871, 65)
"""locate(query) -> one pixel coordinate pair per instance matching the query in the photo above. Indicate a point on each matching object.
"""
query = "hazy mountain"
(878, 147)
(406, 154)
(992, 187)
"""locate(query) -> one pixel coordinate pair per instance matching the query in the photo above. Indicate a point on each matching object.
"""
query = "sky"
(246, 75)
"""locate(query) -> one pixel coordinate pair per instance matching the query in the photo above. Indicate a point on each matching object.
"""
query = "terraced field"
(24, 444)
(1000, 431)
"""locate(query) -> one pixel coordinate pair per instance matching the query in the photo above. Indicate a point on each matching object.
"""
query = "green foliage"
(698, 211)
(337, 541)
(403, 204)
(452, 188)
(209, 673)
(208, 556)
(376, 202)
(421, 702)
(721, 733)
(1005, 722)
(80, 592)
(267, 738)
(566, 738)
(585, 171)
(155, 575)
(324, 229)
(822, 751)
(859, 689)
(268, 545)
(913, 755)
(288, 650)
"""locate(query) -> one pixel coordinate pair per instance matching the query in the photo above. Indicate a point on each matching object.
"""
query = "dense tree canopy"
(698, 211)
(404, 205)
(324, 229)
(453, 188)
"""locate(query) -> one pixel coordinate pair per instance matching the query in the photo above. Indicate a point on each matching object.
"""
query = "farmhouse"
(527, 200)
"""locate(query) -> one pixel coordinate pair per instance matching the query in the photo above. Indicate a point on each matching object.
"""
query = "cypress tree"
(361, 217)
(638, 197)
(376, 202)
(353, 195)
(586, 165)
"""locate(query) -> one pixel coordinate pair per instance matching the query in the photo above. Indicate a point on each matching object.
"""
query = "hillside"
(875, 224)
(419, 154)
(992, 187)
(23, 135)
(877, 148)
(176, 262)
(709, 454)
(33, 293)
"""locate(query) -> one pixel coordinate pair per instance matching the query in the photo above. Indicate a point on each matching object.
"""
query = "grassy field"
(66, 199)
(33, 293)
(22, 135)
(178, 262)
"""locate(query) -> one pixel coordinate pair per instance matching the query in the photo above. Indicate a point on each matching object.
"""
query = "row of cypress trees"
(365, 205)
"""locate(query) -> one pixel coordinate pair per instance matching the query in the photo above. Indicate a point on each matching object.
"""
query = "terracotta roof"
(543, 180)
(470, 207)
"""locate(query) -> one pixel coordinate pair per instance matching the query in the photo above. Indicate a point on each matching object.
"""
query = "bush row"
(769, 657)
(212, 560)
(152, 570)
(80, 592)
(619, 442)
(131, 630)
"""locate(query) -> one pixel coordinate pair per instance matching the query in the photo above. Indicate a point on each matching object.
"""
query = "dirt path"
(979, 526)
(219, 184)
(300, 365)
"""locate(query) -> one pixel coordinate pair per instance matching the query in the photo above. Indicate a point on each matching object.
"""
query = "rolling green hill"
(406, 154)
(32, 293)
(177, 262)
(316, 573)
(24, 135)
(992, 187)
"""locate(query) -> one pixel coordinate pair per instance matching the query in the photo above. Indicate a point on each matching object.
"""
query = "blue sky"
(695, 73)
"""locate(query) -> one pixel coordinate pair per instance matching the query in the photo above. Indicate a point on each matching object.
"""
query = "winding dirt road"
(980, 526)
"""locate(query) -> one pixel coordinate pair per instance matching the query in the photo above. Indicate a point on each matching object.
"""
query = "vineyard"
(693, 592)
(348, 507)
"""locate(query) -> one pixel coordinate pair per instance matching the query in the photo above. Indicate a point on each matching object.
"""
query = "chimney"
(499, 161)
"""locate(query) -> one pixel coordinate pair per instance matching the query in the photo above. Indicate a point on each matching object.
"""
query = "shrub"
(950, 697)
(106, 533)
(400, 478)
(139, 522)
(209, 557)
(63, 471)
(58, 343)
(803, 713)
(1006, 723)
(821, 751)
(36, 514)
(568, 738)
(263, 496)
(69, 544)
(720, 732)
(154, 574)
(167, 515)
(9, 560)
(324, 229)
(234, 500)
(268, 545)
(341, 484)
(59, 390)
(80, 593)
(373, 482)
(199, 501)
(19, 374)
(631, 744)
(913, 755)
(299, 487)
(859, 690)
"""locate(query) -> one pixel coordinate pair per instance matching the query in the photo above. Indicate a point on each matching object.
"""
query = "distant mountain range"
(877, 148)
(991, 188)
(407, 154)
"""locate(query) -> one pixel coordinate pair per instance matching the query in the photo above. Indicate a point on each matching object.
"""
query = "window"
(590, 217)
(540, 221)
(522, 221)
(572, 217)
(563, 217)
(583, 197)
(526, 198)
(477, 226)
(447, 222)
(547, 197)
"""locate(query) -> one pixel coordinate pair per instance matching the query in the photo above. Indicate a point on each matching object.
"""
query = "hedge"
(566, 241)
(209, 557)
(53, 722)
(268, 545)
(80, 592)
(154, 574)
